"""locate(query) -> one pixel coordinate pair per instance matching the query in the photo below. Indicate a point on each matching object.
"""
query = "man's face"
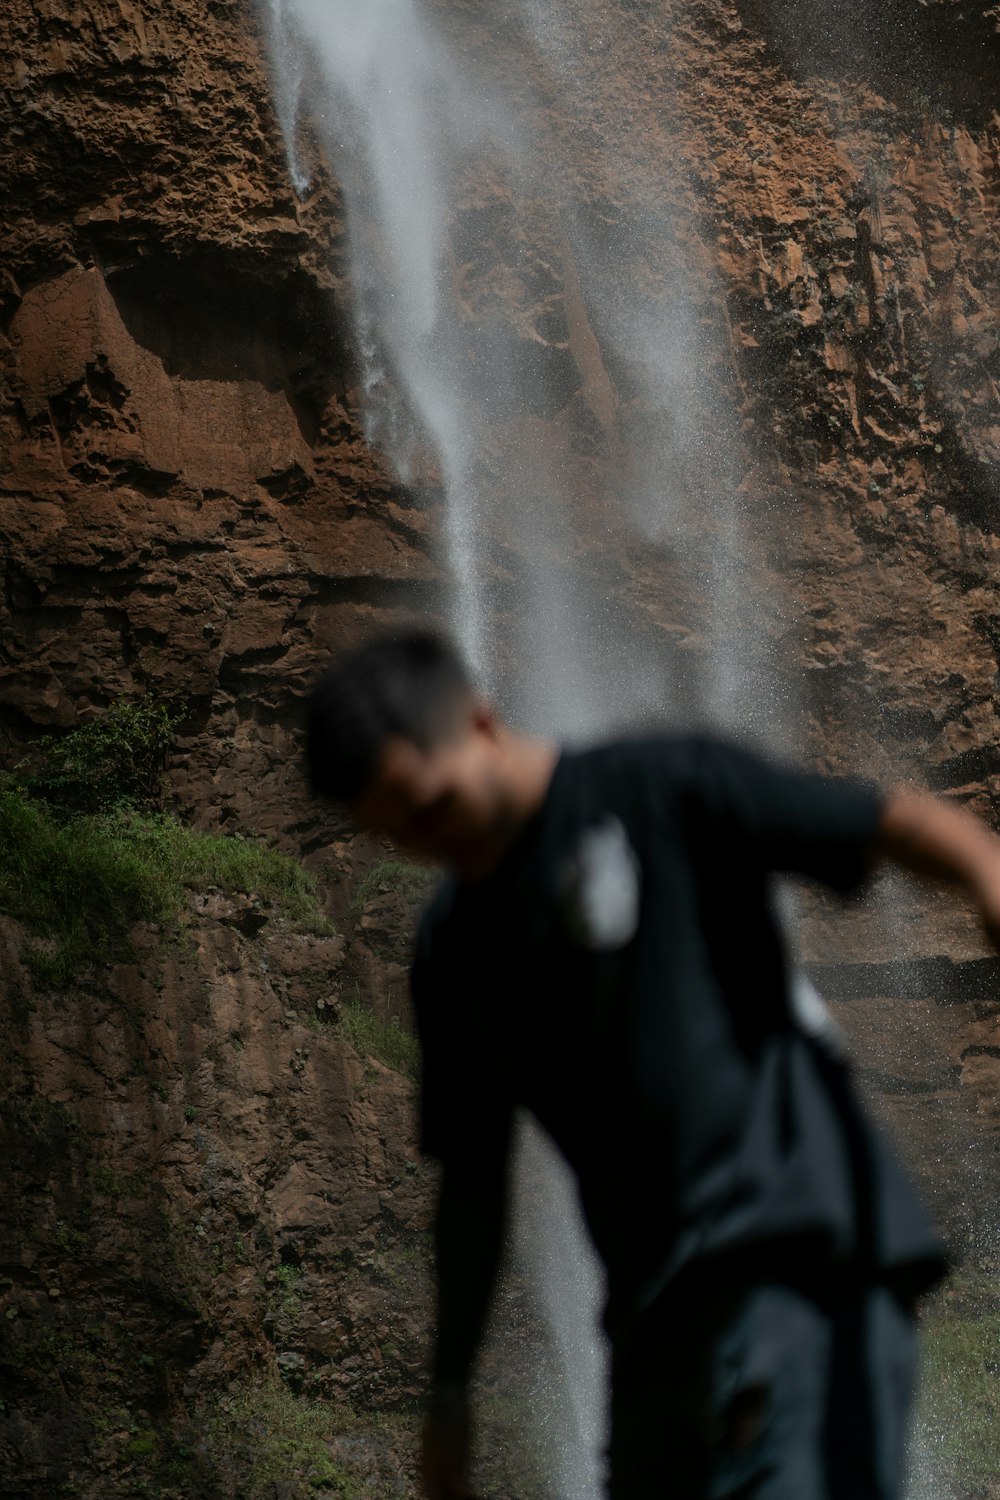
(447, 802)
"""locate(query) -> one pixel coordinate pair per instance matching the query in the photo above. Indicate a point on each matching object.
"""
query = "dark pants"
(769, 1392)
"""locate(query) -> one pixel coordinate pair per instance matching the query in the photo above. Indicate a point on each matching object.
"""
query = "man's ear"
(484, 719)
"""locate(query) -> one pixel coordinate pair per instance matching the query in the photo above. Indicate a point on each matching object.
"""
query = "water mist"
(562, 406)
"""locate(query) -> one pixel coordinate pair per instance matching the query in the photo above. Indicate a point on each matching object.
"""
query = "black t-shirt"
(622, 976)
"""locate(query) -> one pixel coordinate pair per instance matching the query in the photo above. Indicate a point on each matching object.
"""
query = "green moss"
(52, 1120)
(959, 1415)
(82, 883)
(85, 855)
(108, 1181)
(282, 1438)
(285, 1302)
(142, 1444)
(385, 1040)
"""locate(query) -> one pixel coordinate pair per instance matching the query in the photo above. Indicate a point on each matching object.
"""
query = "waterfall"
(424, 134)
(393, 115)
(488, 308)
(563, 408)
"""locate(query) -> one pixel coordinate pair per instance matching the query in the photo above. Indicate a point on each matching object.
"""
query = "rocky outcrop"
(189, 504)
(205, 1183)
(855, 221)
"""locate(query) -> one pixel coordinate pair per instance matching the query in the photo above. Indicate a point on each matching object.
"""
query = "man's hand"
(445, 1458)
(930, 836)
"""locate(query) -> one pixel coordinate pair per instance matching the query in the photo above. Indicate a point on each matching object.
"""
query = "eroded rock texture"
(205, 1182)
(189, 500)
(189, 505)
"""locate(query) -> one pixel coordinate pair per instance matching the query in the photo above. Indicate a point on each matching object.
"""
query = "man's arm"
(929, 836)
(469, 1231)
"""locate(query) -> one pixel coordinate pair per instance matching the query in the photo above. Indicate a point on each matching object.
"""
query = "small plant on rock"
(385, 1040)
(112, 760)
(401, 877)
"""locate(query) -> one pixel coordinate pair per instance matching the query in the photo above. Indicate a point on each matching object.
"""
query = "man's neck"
(532, 764)
(525, 769)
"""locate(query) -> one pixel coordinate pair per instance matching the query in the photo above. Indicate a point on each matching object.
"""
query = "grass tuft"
(385, 1040)
(276, 1438)
(84, 882)
(411, 881)
(959, 1407)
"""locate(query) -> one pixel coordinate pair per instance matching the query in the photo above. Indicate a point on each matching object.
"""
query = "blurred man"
(604, 952)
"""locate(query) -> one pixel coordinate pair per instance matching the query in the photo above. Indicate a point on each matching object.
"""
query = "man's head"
(397, 732)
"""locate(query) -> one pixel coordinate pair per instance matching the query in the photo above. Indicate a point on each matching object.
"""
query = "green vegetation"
(71, 882)
(48, 1120)
(385, 1040)
(960, 1392)
(283, 1438)
(83, 882)
(411, 881)
(285, 1301)
(111, 760)
(141, 1444)
(85, 854)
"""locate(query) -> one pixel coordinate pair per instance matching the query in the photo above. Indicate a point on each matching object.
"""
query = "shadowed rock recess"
(213, 1262)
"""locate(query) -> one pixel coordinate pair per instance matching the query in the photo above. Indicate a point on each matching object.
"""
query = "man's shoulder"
(630, 777)
(695, 757)
(652, 744)
(660, 752)
(439, 908)
(434, 920)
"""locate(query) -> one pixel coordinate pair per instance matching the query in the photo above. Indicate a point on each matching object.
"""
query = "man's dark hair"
(409, 684)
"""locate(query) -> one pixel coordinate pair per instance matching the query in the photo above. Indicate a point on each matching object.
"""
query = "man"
(604, 953)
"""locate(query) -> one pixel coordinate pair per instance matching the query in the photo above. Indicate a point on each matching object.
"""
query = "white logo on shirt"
(601, 889)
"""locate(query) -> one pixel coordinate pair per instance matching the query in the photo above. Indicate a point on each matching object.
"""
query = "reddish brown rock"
(212, 1181)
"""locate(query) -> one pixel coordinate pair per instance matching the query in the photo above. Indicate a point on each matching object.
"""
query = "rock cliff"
(211, 1180)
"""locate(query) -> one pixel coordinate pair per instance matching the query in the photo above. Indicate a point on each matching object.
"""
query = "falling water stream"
(494, 190)
(446, 157)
